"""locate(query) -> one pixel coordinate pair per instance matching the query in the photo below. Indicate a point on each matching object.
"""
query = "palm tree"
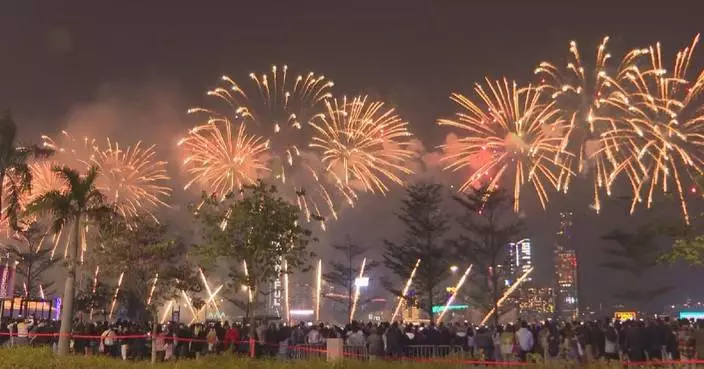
(14, 167)
(81, 201)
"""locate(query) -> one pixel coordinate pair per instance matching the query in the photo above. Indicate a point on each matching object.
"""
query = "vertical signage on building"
(277, 293)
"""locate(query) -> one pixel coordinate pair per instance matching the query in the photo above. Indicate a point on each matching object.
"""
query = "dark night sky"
(130, 69)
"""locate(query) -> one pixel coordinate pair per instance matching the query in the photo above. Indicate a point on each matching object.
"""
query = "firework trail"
(661, 143)
(360, 140)
(592, 99)
(514, 132)
(221, 159)
(279, 106)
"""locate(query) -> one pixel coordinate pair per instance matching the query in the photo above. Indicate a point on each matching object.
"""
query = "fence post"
(335, 349)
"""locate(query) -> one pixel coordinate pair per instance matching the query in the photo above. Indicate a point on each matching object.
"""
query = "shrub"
(43, 358)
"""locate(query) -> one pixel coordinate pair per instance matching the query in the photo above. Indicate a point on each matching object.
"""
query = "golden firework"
(661, 143)
(279, 106)
(132, 179)
(221, 159)
(509, 131)
(592, 99)
(363, 141)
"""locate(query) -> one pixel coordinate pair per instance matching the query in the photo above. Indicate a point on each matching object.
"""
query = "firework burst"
(662, 141)
(592, 100)
(131, 178)
(361, 140)
(513, 132)
(279, 106)
(221, 159)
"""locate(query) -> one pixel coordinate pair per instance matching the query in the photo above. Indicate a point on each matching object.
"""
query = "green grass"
(40, 358)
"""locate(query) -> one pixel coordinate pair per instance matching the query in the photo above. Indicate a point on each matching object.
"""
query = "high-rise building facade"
(566, 281)
(537, 303)
(519, 259)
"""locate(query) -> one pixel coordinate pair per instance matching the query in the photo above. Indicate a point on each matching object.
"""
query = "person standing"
(108, 340)
(699, 339)
(525, 341)
(232, 338)
(376, 344)
(22, 333)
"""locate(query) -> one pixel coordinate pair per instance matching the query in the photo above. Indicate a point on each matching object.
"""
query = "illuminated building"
(519, 259)
(537, 303)
(567, 299)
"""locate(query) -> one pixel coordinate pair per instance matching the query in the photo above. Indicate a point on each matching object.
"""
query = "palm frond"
(37, 152)
(70, 176)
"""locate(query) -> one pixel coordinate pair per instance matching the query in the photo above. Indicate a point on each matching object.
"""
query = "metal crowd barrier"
(356, 352)
(436, 351)
(308, 351)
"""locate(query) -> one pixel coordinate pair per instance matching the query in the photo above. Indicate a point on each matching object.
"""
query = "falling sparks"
(514, 132)
(662, 140)
(591, 99)
(362, 140)
(277, 107)
(130, 177)
(221, 159)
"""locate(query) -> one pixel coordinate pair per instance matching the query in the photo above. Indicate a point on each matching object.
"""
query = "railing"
(356, 352)
(319, 351)
(308, 351)
(436, 351)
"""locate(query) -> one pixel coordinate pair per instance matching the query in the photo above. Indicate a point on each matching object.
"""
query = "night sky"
(131, 69)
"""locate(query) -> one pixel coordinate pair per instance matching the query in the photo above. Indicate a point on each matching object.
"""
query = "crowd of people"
(636, 341)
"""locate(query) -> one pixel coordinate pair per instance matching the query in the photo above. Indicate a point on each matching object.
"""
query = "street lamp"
(454, 268)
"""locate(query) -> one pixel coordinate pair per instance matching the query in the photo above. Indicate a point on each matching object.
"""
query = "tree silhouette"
(634, 254)
(342, 274)
(34, 261)
(488, 225)
(426, 228)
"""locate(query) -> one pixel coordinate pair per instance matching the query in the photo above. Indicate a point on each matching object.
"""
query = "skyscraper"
(567, 299)
(519, 259)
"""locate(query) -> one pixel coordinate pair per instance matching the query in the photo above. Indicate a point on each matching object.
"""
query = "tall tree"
(426, 228)
(634, 254)
(154, 264)
(34, 261)
(15, 174)
(690, 250)
(343, 273)
(143, 249)
(79, 203)
(256, 227)
(95, 298)
(488, 225)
